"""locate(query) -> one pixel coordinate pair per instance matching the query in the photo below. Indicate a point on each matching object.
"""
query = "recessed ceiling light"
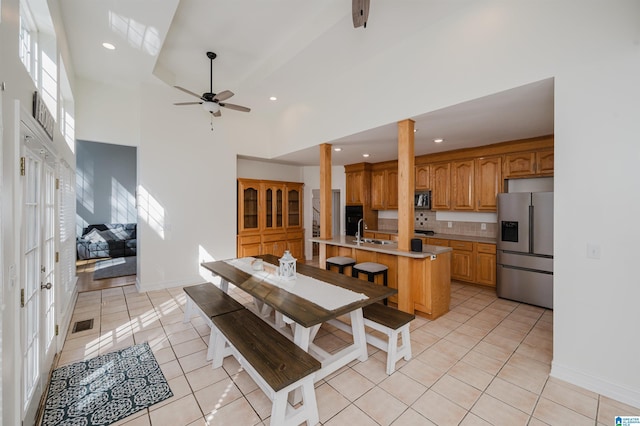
(438, 140)
(108, 46)
(365, 155)
(273, 98)
(337, 149)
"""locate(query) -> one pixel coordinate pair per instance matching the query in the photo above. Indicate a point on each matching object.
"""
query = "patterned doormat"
(105, 389)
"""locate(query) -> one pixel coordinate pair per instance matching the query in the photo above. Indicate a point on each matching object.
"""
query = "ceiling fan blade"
(188, 91)
(188, 103)
(223, 96)
(234, 106)
(217, 113)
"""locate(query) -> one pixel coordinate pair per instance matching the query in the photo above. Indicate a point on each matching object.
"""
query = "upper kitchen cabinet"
(544, 162)
(422, 177)
(462, 176)
(384, 188)
(248, 206)
(528, 164)
(488, 183)
(358, 182)
(294, 205)
(440, 186)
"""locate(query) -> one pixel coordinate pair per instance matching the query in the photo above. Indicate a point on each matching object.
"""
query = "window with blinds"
(67, 215)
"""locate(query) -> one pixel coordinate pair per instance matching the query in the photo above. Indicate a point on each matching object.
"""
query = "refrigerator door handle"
(520, 268)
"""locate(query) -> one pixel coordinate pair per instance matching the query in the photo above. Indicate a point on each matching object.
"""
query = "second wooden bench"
(392, 323)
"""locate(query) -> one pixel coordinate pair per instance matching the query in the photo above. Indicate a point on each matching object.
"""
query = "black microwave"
(422, 200)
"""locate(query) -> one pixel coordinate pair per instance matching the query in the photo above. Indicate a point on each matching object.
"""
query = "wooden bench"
(392, 323)
(208, 301)
(274, 362)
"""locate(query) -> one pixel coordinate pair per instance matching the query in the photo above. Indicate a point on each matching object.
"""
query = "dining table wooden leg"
(359, 336)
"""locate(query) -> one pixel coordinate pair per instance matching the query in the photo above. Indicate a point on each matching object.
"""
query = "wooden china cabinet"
(270, 218)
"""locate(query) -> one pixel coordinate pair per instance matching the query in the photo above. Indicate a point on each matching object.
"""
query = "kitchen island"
(425, 288)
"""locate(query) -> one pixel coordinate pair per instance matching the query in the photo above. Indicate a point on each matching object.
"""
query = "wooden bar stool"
(371, 269)
(341, 262)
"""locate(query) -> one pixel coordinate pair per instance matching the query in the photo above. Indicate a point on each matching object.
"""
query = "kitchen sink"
(374, 241)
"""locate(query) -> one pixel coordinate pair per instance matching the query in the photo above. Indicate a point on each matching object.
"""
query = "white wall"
(253, 169)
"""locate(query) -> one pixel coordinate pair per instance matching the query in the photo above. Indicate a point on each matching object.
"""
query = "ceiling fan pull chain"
(211, 117)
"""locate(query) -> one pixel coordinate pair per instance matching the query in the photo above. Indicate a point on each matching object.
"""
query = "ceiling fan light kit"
(211, 102)
(210, 106)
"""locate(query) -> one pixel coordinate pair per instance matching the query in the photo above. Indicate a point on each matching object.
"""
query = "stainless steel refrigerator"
(525, 247)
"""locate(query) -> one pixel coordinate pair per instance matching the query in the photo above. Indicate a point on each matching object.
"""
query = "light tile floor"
(485, 362)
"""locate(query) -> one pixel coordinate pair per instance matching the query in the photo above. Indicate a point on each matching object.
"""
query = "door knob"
(47, 286)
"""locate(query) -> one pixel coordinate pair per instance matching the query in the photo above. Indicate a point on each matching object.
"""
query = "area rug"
(116, 267)
(105, 389)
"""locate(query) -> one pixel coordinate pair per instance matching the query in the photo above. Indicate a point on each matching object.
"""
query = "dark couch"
(107, 240)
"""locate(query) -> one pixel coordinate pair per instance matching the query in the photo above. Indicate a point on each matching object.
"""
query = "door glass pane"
(250, 208)
(279, 203)
(294, 207)
(269, 195)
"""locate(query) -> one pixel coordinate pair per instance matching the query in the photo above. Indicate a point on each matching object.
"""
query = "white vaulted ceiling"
(285, 48)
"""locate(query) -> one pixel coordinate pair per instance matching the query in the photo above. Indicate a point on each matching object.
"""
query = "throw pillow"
(94, 236)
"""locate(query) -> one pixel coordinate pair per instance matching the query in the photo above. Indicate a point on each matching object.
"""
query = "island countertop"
(390, 247)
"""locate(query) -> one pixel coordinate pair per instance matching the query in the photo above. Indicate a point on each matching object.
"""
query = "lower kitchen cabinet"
(273, 243)
(462, 260)
(486, 264)
(470, 261)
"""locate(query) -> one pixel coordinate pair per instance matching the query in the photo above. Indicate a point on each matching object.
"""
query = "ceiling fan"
(210, 101)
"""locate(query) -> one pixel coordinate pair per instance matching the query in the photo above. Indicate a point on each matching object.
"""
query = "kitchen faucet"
(358, 234)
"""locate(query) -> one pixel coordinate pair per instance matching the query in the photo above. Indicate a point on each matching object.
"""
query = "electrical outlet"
(449, 224)
(593, 251)
(483, 226)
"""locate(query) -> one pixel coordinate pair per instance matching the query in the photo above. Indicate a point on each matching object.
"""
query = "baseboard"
(65, 319)
(595, 384)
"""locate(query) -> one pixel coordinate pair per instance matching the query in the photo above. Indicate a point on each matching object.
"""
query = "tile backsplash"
(426, 220)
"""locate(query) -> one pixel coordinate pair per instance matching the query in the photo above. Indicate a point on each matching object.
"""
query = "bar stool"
(371, 269)
(341, 262)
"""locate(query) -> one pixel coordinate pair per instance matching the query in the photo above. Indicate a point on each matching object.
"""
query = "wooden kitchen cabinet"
(270, 217)
(422, 177)
(544, 162)
(463, 177)
(358, 183)
(488, 183)
(470, 261)
(440, 183)
(384, 189)
(529, 164)
(486, 264)
(462, 260)
(295, 244)
(378, 189)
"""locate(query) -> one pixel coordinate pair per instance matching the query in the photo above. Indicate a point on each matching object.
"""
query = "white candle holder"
(287, 266)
